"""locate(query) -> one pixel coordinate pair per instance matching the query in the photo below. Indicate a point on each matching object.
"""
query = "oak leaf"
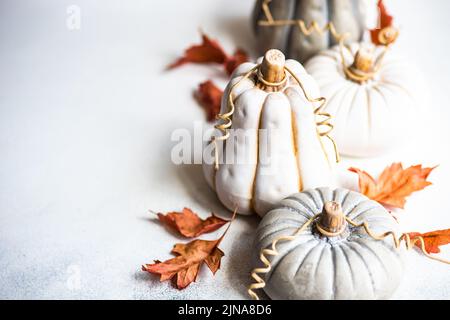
(209, 97)
(189, 224)
(394, 184)
(184, 268)
(385, 21)
(432, 239)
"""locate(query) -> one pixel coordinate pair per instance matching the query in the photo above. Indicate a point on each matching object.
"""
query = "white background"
(85, 123)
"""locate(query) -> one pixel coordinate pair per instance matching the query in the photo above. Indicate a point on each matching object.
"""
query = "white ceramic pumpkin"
(354, 17)
(351, 265)
(374, 116)
(296, 155)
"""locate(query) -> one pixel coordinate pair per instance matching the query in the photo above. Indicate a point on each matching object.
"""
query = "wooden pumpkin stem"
(363, 61)
(332, 220)
(271, 71)
(362, 68)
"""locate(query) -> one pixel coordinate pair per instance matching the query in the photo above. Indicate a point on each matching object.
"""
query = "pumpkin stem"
(332, 220)
(271, 73)
(362, 68)
(363, 60)
(388, 35)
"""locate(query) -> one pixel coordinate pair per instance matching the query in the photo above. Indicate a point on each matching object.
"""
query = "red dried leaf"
(385, 20)
(394, 183)
(232, 62)
(185, 266)
(432, 239)
(208, 51)
(209, 97)
(189, 224)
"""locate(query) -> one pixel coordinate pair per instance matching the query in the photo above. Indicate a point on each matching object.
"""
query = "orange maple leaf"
(394, 184)
(432, 239)
(232, 62)
(189, 224)
(385, 21)
(209, 96)
(184, 268)
(188, 262)
(210, 51)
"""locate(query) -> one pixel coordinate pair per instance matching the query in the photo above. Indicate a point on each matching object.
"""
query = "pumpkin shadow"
(238, 244)
(191, 176)
(240, 262)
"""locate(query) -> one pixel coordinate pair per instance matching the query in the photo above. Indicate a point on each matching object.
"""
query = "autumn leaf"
(206, 52)
(385, 21)
(189, 224)
(394, 184)
(232, 62)
(188, 262)
(209, 96)
(432, 239)
(184, 268)
(210, 51)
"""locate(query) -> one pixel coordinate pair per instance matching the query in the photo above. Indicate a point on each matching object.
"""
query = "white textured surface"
(85, 124)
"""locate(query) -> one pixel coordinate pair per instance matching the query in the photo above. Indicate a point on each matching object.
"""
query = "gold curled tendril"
(409, 242)
(260, 283)
(387, 36)
(273, 251)
(226, 121)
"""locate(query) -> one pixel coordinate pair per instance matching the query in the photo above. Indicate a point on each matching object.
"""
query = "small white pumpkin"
(370, 117)
(351, 265)
(297, 156)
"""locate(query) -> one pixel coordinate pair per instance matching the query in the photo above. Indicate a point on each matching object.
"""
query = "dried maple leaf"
(385, 21)
(394, 184)
(210, 51)
(209, 96)
(232, 62)
(432, 239)
(185, 267)
(189, 224)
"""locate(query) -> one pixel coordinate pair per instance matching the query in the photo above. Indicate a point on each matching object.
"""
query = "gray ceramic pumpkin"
(351, 265)
(352, 16)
